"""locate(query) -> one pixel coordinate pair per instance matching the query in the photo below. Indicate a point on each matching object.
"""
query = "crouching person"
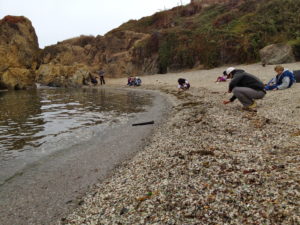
(222, 78)
(183, 84)
(245, 87)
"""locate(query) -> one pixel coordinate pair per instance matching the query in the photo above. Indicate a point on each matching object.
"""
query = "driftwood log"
(144, 123)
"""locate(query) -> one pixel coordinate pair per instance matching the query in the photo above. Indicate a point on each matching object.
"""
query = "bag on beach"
(297, 75)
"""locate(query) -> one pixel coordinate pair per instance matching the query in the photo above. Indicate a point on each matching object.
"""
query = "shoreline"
(208, 163)
(53, 186)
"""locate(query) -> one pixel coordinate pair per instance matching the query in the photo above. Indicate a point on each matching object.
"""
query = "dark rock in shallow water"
(53, 84)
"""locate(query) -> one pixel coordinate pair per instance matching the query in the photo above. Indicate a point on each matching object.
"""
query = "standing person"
(284, 79)
(101, 76)
(245, 87)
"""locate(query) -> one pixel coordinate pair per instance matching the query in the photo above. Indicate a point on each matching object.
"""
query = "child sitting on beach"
(93, 79)
(138, 81)
(284, 79)
(183, 84)
(222, 78)
(131, 81)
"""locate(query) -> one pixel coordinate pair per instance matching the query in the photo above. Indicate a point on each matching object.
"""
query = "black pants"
(102, 81)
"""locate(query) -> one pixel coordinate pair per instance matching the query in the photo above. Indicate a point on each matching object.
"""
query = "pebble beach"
(207, 163)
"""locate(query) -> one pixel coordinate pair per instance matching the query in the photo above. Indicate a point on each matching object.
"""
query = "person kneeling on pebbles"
(245, 87)
(183, 84)
(222, 78)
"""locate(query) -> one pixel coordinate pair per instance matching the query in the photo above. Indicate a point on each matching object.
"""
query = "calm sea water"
(38, 122)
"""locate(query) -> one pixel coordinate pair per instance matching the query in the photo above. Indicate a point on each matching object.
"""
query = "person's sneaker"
(251, 108)
(253, 105)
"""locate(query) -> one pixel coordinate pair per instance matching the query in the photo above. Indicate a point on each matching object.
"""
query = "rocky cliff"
(70, 62)
(19, 52)
(203, 34)
(112, 52)
(22, 63)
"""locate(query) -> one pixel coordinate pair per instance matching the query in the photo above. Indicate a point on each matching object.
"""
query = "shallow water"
(38, 122)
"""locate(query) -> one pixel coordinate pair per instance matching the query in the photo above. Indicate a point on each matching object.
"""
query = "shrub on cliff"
(228, 32)
(206, 33)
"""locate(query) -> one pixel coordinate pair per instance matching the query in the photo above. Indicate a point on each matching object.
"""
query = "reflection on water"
(47, 118)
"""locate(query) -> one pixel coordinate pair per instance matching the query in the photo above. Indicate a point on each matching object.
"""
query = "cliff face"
(22, 63)
(210, 33)
(112, 52)
(18, 52)
(135, 48)
(203, 34)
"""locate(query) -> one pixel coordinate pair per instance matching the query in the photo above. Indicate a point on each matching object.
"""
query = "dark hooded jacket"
(243, 79)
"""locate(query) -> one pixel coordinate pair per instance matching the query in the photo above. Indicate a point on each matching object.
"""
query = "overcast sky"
(58, 20)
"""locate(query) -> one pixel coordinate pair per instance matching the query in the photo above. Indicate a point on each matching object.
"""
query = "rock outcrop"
(19, 52)
(277, 54)
(185, 37)
(62, 76)
(68, 63)
(113, 53)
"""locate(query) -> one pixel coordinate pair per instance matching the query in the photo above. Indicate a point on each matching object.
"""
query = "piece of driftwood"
(144, 123)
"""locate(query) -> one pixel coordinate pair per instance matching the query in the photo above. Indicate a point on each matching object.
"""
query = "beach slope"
(209, 163)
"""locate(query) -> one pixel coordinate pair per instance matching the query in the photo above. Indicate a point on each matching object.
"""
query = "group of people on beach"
(93, 80)
(134, 81)
(247, 88)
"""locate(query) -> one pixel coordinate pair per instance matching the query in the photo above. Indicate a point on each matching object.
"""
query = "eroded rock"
(277, 54)
(62, 76)
(115, 53)
(19, 52)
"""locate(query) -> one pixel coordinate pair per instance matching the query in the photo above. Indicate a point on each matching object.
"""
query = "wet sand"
(50, 188)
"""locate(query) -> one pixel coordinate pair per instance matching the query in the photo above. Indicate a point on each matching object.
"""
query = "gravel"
(209, 163)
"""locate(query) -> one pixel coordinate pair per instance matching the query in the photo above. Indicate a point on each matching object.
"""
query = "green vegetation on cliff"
(230, 32)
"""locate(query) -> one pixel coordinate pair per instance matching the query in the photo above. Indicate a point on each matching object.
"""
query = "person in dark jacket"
(101, 77)
(93, 79)
(245, 87)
